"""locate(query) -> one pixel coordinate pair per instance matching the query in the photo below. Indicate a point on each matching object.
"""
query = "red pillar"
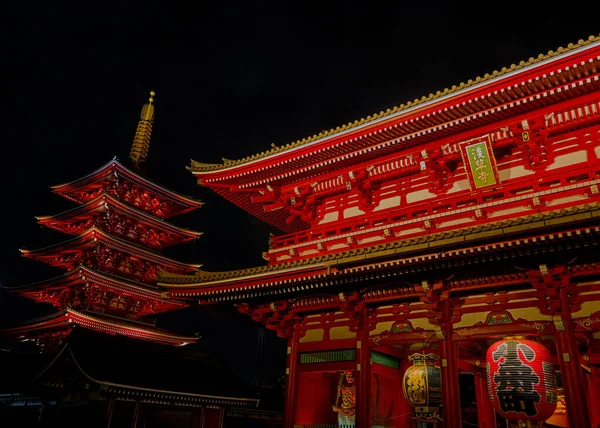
(593, 395)
(449, 368)
(572, 379)
(363, 395)
(291, 380)
(450, 386)
(486, 415)
(570, 368)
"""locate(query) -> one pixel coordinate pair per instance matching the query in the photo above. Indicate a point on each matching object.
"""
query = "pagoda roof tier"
(480, 106)
(55, 291)
(155, 197)
(81, 218)
(61, 323)
(68, 254)
(317, 274)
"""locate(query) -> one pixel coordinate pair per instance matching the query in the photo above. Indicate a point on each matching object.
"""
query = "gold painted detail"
(558, 323)
(537, 326)
(587, 323)
(141, 141)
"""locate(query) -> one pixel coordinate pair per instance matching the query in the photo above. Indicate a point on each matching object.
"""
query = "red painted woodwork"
(389, 404)
(451, 414)
(569, 362)
(315, 396)
(572, 379)
(521, 380)
(486, 415)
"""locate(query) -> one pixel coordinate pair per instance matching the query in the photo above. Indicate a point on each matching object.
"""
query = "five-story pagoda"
(113, 259)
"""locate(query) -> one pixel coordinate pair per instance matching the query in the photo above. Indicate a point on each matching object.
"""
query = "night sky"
(231, 78)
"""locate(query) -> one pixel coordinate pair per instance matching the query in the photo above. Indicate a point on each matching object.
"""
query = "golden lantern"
(422, 385)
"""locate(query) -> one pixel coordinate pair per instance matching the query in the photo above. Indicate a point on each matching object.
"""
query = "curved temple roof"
(466, 111)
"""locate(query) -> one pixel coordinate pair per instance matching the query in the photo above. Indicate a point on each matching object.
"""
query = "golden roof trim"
(196, 166)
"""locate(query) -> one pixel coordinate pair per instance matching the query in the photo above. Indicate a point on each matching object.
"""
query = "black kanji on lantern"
(515, 379)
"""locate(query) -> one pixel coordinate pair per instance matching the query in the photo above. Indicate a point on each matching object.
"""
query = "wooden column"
(593, 395)
(449, 369)
(196, 419)
(291, 379)
(363, 394)
(109, 412)
(202, 417)
(570, 368)
(568, 360)
(222, 417)
(486, 415)
(136, 415)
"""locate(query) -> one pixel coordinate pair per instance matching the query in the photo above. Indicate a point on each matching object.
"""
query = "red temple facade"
(112, 259)
(426, 234)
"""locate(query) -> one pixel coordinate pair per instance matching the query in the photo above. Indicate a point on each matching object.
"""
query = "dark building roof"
(116, 365)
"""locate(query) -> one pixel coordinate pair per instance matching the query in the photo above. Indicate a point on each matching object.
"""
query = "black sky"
(231, 78)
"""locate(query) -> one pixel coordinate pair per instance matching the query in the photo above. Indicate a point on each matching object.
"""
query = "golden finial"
(141, 141)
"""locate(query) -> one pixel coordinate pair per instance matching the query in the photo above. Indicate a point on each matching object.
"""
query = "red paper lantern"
(521, 380)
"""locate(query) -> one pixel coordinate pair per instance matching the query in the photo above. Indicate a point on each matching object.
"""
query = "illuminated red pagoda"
(113, 259)
(436, 228)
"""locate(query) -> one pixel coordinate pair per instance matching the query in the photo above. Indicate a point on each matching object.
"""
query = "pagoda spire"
(141, 141)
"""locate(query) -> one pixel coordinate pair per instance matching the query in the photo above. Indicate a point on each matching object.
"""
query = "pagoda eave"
(53, 291)
(124, 328)
(109, 171)
(81, 218)
(92, 237)
(61, 323)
